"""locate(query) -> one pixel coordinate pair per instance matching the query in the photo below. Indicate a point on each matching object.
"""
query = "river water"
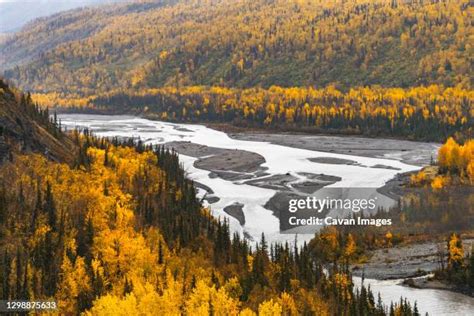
(278, 160)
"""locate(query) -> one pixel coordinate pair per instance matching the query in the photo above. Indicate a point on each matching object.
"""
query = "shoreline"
(244, 167)
(414, 264)
(231, 128)
(430, 282)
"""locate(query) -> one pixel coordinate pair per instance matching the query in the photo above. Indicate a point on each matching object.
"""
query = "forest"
(375, 68)
(118, 230)
(109, 226)
(424, 113)
(244, 43)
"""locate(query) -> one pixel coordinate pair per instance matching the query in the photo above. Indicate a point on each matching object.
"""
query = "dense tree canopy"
(430, 113)
(245, 43)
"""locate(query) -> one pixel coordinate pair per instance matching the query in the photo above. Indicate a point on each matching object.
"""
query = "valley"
(264, 166)
(238, 157)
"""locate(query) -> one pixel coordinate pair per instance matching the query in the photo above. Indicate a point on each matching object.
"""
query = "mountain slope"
(244, 43)
(25, 128)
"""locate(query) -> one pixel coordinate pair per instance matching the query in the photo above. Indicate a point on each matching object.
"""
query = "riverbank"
(430, 282)
(409, 152)
(405, 261)
(288, 167)
(294, 164)
(234, 129)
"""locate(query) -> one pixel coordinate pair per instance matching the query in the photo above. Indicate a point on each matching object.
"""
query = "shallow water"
(279, 160)
(433, 302)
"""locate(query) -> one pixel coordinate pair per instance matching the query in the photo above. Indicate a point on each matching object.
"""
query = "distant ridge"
(244, 43)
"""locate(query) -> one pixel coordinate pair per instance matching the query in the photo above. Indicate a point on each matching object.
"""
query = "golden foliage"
(455, 251)
(317, 42)
(457, 159)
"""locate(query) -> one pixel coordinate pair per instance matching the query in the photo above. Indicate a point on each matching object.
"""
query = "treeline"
(245, 44)
(423, 113)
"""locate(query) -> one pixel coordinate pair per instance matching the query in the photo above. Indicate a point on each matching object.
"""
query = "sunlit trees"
(430, 113)
(455, 252)
(457, 159)
(245, 43)
(455, 165)
(117, 229)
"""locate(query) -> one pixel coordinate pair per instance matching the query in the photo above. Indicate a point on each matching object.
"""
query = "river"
(280, 160)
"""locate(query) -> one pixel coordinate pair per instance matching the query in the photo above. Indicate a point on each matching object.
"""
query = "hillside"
(244, 43)
(24, 128)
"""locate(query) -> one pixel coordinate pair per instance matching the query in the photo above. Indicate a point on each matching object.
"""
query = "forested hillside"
(25, 127)
(245, 43)
(118, 230)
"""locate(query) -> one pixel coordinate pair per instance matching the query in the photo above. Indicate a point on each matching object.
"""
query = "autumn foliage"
(117, 230)
(430, 113)
(245, 43)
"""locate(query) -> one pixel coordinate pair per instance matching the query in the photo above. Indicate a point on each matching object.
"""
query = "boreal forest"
(376, 66)
(116, 225)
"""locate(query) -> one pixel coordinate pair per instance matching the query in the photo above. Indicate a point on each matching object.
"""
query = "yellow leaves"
(149, 303)
(97, 269)
(54, 99)
(288, 305)
(172, 299)
(249, 31)
(343, 282)
(39, 235)
(470, 171)
(456, 158)
(137, 77)
(113, 305)
(310, 106)
(350, 246)
(455, 251)
(246, 111)
(289, 115)
(250, 260)
(74, 281)
(439, 182)
(269, 308)
(205, 298)
(233, 288)
(123, 251)
(404, 38)
(247, 312)
(418, 179)
(163, 55)
(330, 237)
(240, 65)
(388, 237)
(426, 114)
(178, 195)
